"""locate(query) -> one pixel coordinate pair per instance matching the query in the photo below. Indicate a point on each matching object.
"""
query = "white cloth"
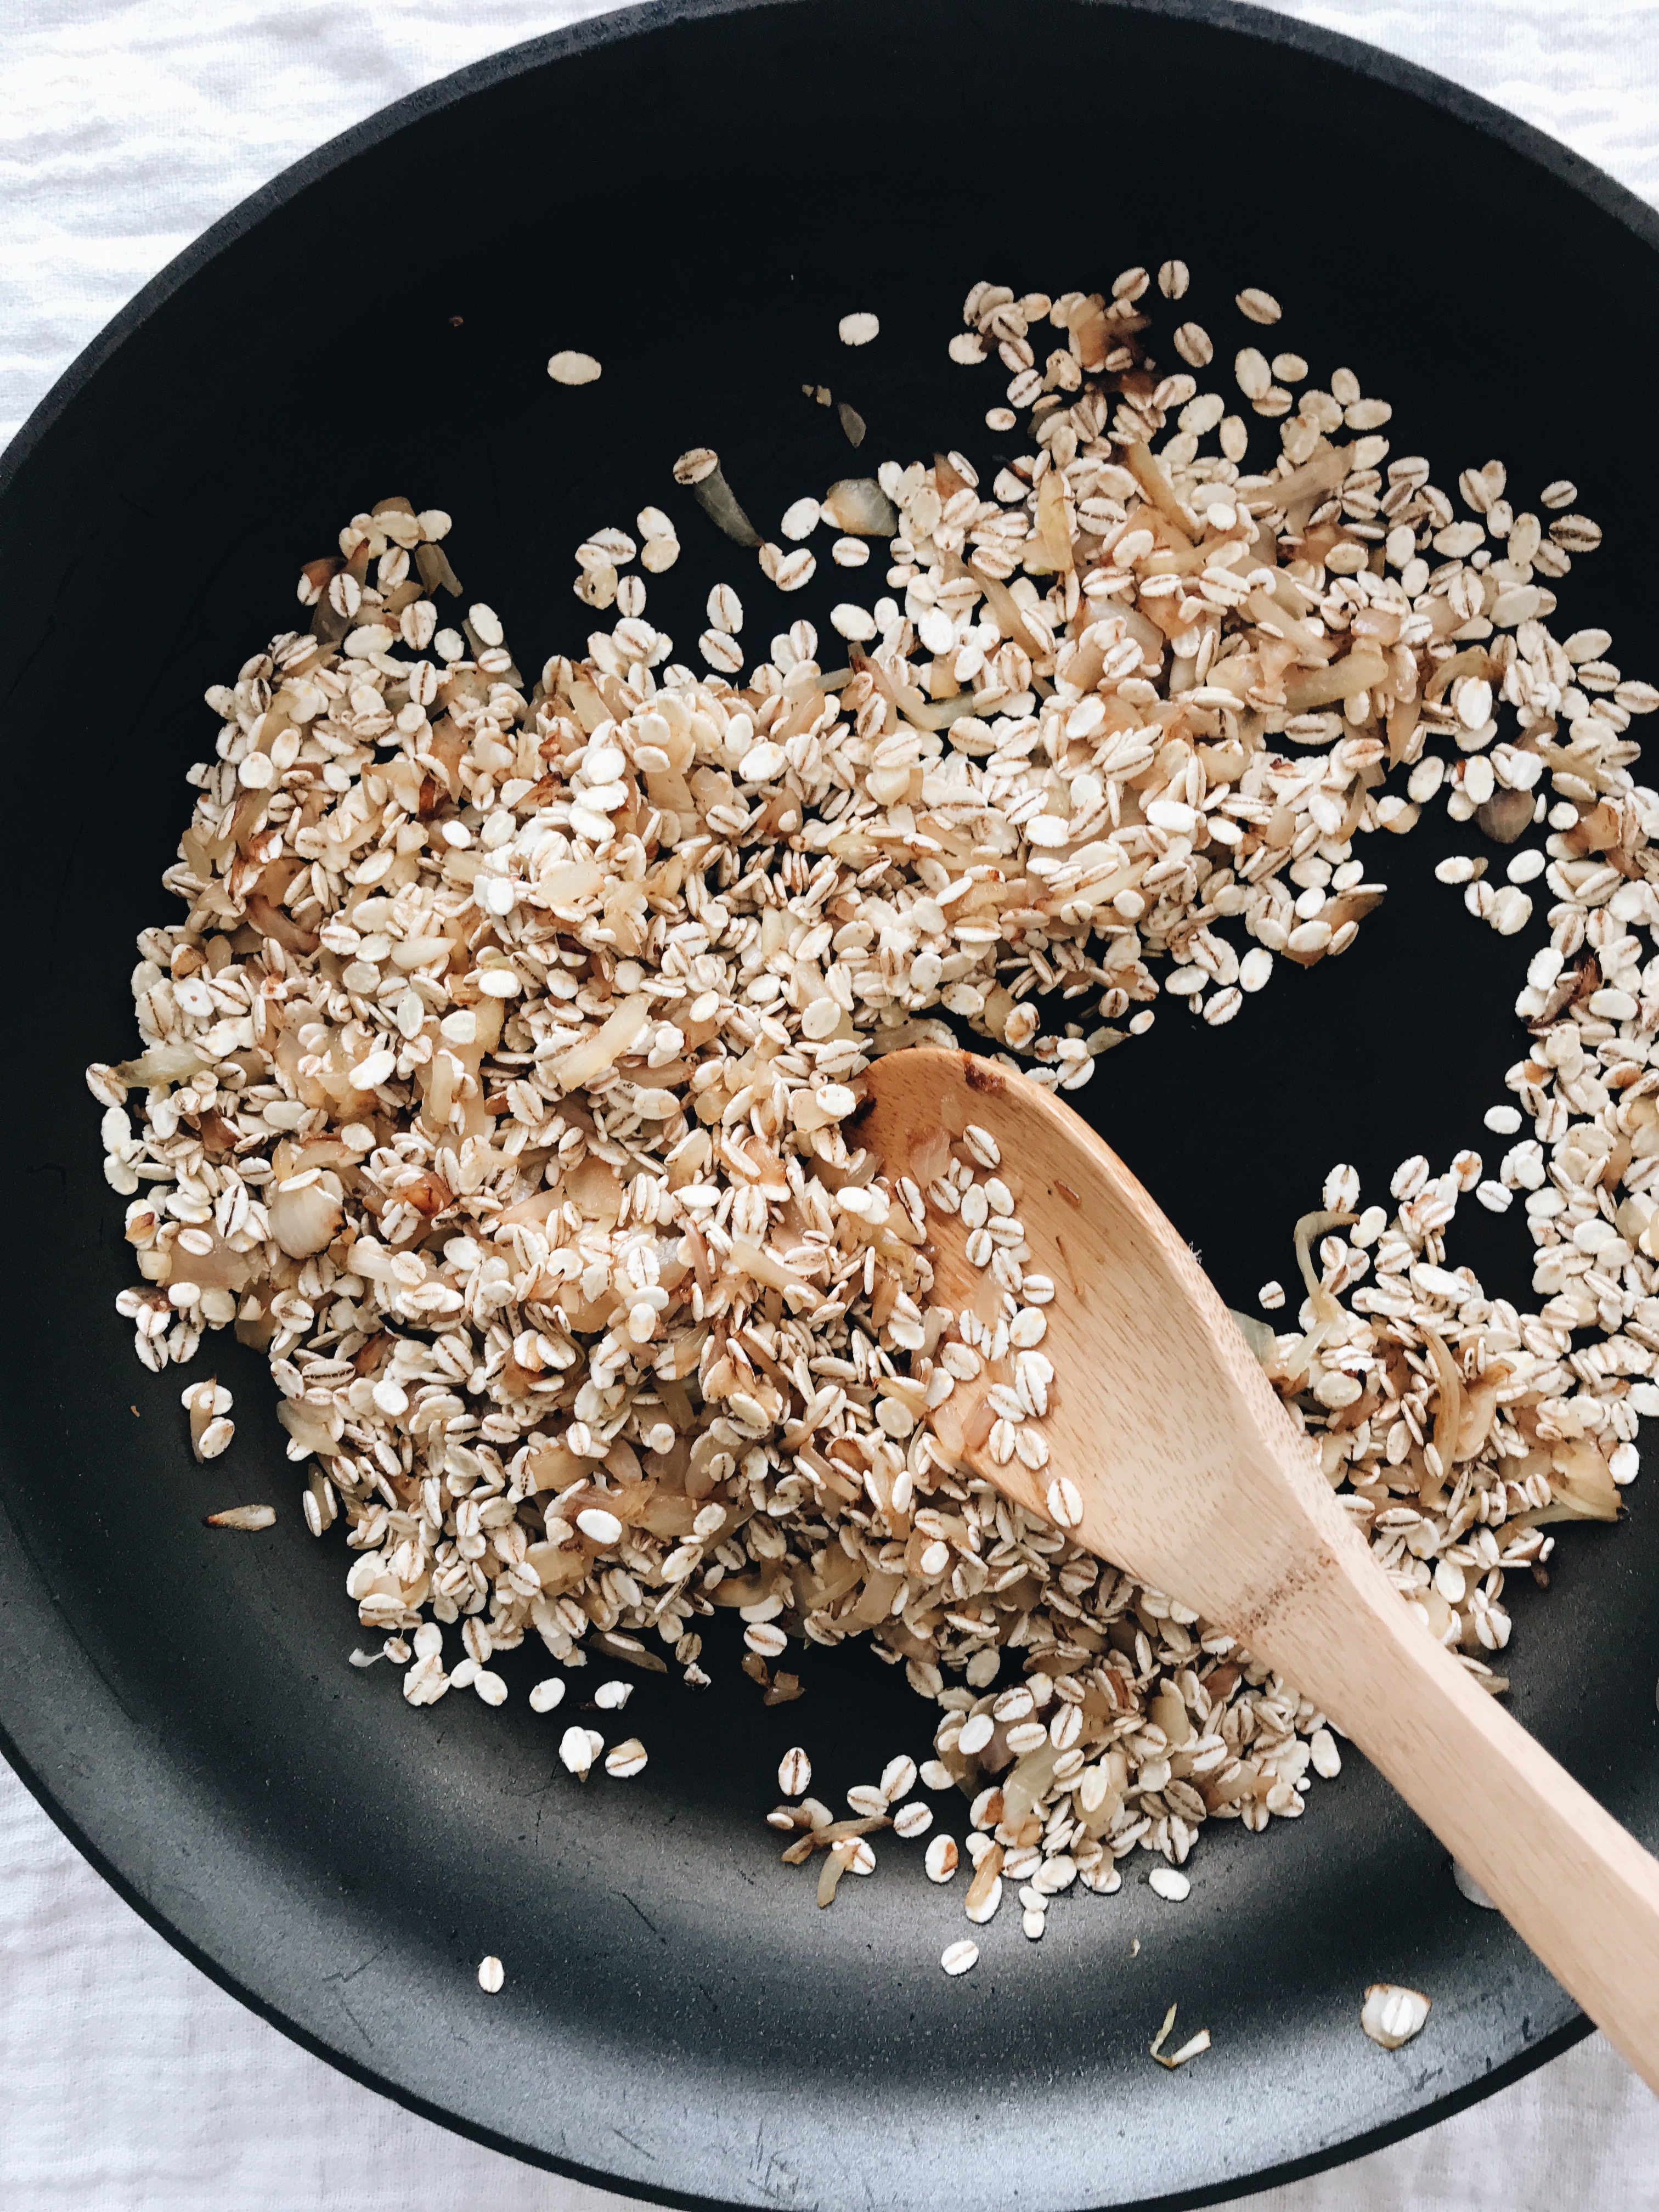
(128, 2082)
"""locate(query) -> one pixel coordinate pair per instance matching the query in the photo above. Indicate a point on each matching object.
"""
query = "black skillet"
(696, 194)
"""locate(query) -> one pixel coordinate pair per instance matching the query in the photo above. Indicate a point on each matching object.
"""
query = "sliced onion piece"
(858, 505)
(162, 1063)
(583, 1061)
(715, 497)
(305, 1215)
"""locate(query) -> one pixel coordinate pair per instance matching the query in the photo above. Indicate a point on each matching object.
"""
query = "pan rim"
(25, 1580)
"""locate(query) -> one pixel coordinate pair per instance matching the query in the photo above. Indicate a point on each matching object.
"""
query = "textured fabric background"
(129, 2083)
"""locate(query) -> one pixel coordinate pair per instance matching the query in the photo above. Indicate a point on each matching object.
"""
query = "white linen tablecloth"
(127, 2082)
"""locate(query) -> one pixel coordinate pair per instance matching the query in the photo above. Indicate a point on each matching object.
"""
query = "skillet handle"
(1577, 1888)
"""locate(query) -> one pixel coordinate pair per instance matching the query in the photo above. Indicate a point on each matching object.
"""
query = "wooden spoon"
(1192, 1477)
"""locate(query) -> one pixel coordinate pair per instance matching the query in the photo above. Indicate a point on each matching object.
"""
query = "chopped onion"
(305, 1215)
(934, 713)
(583, 1061)
(1506, 815)
(1581, 1484)
(1471, 661)
(858, 505)
(1469, 1887)
(162, 1063)
(930, 1155)
(1361, 667)
(1308, 485)
(1309, 1226)
(314, 1428)
(1148, 473)
(1327, 1312)
(715, 497)
(1257, 1334)
(1448, 1414)
(755, 1260)
(271, 921)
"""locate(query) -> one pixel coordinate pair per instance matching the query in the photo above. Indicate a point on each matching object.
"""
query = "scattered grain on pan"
(725, 610)
(625, 1759)
(208, 1404)
(1188, 2050)
(491, 1975)
(942, 1858)
(1392, 2015)
(898, 1777)
(574, 369)
(1065, 1503)
(857, 329)
(577, 1749)
(244, 1517)
(795, 1772)
(1470, 1888)
(722, 651)
(959, 1958)
(974, 1735)
(1170, 1883)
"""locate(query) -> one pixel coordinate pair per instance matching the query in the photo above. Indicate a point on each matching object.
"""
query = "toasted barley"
(481, 1405)
(1392, 2015)
(574, 369)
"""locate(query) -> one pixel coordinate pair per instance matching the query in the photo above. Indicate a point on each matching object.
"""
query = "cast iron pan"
(696, 194)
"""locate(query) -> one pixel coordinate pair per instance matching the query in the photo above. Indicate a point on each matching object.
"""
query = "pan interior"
(697, 202)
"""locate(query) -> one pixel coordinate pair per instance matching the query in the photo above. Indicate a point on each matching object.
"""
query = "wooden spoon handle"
(1577, 1888)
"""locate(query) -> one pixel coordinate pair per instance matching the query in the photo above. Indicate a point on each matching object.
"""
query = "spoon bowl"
(1163, 1449)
